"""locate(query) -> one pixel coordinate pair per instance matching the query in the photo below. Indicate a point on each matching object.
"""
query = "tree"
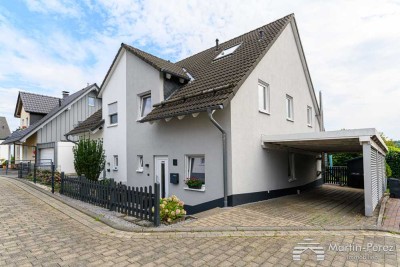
(341, 159)
(89, 158)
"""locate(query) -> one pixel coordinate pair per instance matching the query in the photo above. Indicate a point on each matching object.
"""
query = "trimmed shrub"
(89, 158)
(393, 160)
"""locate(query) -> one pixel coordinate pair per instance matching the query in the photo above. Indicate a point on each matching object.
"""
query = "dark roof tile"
(228, 72)
(17, 136)
(34, 103)
(90, 124)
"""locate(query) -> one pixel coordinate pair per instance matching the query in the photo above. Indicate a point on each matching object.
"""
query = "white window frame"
(309, 116)
(264, 101)
(188, 165)
(227, 51)
(289, 108)
(115, 163)
(139, 163)
(110, 114)
(93, 99)
(141, 97)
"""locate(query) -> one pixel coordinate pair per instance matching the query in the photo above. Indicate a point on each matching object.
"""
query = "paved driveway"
(327, 205)
(36, 229)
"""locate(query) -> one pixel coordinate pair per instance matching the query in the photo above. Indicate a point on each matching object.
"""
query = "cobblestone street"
(36, 229)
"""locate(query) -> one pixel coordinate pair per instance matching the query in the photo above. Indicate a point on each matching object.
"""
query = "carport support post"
(366, 147)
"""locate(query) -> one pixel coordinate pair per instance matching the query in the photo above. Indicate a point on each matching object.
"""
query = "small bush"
(193, 182)
(171, 208)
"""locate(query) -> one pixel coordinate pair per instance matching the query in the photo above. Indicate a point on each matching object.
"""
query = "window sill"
(264, 112)
(291, 120)
(112, 125)
(309, 125)
(139, 171)
(202, 189)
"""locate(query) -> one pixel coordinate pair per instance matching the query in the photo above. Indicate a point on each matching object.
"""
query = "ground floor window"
(196, 168)
(139, 163)
(115, 162)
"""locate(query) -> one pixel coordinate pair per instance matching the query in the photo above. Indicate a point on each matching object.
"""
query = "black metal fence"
(142, 203)
(336, 175)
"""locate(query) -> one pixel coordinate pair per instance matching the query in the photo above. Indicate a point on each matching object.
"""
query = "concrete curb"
(382, 211)
(209, 229)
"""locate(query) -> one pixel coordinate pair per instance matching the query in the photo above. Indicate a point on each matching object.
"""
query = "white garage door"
(46, 156)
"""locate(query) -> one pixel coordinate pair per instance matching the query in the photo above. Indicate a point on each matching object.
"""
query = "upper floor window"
(309, 116)
(289, 108)
(145, 105)
(91, 101)
(263, 97)
(113, 112)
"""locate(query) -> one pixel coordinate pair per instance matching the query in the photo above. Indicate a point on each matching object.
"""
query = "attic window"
(227, 51)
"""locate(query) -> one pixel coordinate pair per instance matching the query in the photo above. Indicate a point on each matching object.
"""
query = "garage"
(366, 141)
(46, 156)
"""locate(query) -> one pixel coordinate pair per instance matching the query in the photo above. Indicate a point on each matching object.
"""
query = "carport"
(367, 141)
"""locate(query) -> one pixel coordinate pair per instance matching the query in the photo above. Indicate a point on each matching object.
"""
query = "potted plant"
(194, 183)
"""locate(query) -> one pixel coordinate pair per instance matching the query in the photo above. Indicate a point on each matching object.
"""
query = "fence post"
(157, 204)
(34, 173)
(112, 194)
(80, 188)
(52, 178)
(62, 183)
(6, 167)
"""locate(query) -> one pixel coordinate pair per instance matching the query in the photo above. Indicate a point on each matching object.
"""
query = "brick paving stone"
(37, 230)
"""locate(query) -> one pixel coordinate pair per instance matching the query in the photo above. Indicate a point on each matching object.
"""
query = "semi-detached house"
(209, 117)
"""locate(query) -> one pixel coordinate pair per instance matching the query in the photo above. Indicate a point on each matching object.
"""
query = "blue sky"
(352, 47)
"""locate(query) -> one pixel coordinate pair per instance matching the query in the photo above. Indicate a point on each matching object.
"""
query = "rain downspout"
(69, 140)
(224, 153)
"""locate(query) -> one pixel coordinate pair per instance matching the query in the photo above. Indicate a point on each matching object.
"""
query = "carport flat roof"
(328, 141)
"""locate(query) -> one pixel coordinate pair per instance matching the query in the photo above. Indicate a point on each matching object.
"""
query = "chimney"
(65, 94)
(216, 44)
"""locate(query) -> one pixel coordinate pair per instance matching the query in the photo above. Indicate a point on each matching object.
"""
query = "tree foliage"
(89, 158)
(393, 160)
(340, 159)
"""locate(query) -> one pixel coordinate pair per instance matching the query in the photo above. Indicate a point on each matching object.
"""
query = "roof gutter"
(224, 152)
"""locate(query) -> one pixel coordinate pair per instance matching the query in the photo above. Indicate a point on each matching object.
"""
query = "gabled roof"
(35, 103)
(158, 63)
(4, 129)
(217, 80)
(20, 135)
(90, 124)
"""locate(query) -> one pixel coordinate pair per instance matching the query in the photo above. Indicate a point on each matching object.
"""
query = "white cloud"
(351, 46)
(63, 7)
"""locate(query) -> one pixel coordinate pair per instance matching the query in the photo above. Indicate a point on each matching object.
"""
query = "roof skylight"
(227, 51)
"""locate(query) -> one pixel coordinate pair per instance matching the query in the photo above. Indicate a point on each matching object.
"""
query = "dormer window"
(227, 51)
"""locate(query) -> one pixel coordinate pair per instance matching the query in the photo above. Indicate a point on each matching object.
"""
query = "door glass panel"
(163, 179)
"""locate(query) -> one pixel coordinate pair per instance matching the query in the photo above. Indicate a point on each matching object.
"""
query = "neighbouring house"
(4, 133)
(30, 108)
(241, 116)
(91, 128)
(47, 135)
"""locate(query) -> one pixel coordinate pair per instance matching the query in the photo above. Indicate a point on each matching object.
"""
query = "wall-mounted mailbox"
(174, 178)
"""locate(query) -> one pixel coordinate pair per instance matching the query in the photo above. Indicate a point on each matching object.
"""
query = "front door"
(161, 172)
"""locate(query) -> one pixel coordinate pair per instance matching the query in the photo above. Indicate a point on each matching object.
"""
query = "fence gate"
(336, 175)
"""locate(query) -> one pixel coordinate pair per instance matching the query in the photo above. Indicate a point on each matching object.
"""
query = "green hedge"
(393, 160)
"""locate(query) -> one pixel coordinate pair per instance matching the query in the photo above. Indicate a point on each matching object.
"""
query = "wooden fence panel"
(136, 202)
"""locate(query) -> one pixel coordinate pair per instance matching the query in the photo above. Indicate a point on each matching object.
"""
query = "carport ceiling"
(329, 142)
